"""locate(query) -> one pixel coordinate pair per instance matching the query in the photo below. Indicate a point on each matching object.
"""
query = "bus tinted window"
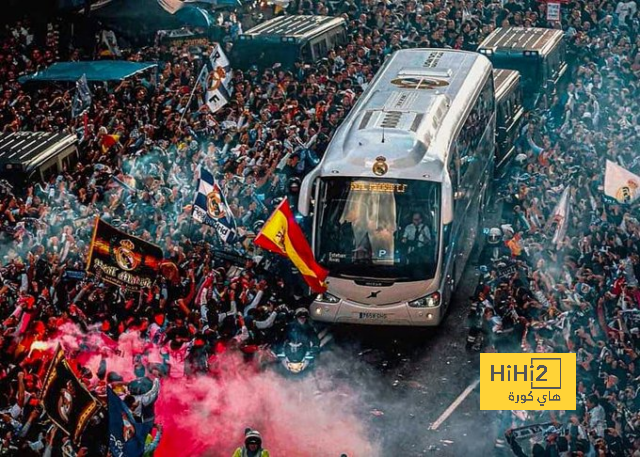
(389, 226)
(474, 128)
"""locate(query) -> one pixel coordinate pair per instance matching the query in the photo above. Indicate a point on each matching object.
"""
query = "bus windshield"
(390, 227)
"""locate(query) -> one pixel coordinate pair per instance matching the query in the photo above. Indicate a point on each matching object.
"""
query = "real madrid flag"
(65, 399)
(620, 184)
(123, 259)
(215, 79)
(126, 436)
(82, 97)
(211, 208)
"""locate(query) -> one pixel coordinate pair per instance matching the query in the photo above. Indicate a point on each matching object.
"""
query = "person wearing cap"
(252, 445)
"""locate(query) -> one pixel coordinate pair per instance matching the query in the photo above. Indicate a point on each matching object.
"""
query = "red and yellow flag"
(282, 234)
(107, 141)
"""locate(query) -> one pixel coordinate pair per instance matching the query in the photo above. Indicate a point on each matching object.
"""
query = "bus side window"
(473, 129)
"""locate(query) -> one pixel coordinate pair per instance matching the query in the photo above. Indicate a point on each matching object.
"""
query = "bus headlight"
(430, 301)
(327, 298)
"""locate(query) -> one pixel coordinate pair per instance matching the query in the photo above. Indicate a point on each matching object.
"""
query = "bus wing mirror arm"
(306, 189)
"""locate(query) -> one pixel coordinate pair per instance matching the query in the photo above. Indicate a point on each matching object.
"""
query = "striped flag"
(282, 235)
(210, 207)
(107, 141)
(215, 80)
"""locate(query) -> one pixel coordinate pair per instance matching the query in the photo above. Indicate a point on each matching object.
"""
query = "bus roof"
(520, 39)
(31, 149)
(295, 27)
(504, 80)
(409, 115)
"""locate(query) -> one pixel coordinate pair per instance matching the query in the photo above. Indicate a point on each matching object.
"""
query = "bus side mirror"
(306, 189)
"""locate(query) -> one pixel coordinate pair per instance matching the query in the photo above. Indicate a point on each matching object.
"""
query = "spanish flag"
(282, 234)
(107, 141)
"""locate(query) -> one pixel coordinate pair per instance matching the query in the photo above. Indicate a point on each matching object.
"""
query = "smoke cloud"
(315, 415)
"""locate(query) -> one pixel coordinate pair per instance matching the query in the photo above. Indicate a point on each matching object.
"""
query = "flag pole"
(195, 86)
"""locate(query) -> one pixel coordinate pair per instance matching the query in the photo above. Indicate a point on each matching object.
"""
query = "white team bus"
(397, 198)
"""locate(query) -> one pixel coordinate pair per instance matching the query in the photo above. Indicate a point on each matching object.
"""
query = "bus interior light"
(430, 301)
(327, 298)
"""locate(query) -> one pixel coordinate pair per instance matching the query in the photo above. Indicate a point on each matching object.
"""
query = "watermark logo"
(527, 381)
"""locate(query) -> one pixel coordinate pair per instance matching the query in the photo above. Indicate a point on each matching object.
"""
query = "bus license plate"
(373, 316)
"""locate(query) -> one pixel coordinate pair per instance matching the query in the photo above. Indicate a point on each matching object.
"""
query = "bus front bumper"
(401, 314)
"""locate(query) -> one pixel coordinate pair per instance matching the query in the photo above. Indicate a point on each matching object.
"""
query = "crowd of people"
(142, 143)
(575, 287)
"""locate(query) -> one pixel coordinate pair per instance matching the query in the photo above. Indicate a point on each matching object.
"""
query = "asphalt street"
(410, 377)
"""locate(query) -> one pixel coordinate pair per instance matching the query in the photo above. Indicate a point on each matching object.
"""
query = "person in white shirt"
(416, 235)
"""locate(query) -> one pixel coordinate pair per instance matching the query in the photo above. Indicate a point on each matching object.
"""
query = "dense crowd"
(575, 289)
(578, 296)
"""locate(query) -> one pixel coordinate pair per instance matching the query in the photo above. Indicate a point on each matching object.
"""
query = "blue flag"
(82, 97)
(211, 208)
(126, 436)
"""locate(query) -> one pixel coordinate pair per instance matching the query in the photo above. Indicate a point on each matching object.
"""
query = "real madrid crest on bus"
(380, 166)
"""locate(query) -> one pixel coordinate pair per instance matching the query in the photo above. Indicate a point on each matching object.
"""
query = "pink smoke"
(206, 416)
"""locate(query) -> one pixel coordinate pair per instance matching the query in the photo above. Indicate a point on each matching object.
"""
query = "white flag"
(560, 216)
(620, 184)
(109, 38)
(215, 79)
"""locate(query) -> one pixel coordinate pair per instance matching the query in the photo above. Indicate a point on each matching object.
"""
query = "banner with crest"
(122, 259)
(65, 399)
(210, 207)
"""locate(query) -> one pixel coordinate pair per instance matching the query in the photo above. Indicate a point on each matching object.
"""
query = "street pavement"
(418, 387)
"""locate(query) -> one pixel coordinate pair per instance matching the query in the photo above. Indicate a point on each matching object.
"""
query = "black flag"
(65, 399)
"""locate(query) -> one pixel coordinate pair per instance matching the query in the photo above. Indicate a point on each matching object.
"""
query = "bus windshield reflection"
(389, 226)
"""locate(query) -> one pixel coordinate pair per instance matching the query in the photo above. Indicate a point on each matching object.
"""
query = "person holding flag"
(127, 437)
(282, 235)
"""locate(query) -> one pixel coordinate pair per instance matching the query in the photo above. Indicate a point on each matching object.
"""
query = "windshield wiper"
(373, 278)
